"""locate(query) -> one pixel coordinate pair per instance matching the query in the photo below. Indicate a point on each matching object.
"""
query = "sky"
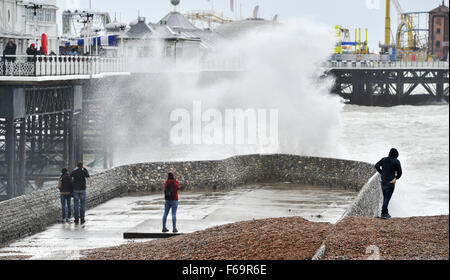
(347, 13)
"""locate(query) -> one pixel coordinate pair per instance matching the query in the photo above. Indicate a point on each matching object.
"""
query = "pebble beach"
(353, 238)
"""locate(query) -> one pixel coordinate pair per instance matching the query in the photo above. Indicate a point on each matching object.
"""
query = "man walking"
(79, 176)
(391, 171)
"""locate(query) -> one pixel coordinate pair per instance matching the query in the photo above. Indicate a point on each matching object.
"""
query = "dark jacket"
(79, 179)
(10, 50)
(389, 167)
(33, 52)
(66, 186)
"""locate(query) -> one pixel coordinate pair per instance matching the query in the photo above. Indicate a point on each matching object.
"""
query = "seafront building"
(18, 22)
(438, 32)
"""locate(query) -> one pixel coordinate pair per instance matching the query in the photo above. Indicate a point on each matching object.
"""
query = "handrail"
(387, 64)
(64, 65)
(58, 65)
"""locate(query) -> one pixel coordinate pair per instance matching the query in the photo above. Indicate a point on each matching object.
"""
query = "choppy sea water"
(421, 134)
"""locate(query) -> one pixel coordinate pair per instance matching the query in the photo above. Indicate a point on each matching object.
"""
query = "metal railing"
(41, 65)
(387, 64)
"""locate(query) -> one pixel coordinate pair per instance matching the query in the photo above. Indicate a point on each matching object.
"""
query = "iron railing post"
(4, 65)
(35, 65)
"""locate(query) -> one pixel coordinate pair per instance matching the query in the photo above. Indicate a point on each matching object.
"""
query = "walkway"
(107, 223)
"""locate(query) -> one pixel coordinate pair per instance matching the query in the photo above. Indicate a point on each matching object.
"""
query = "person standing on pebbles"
(171, 187)
(391, 171)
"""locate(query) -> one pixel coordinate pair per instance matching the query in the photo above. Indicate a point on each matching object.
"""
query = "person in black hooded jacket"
(390, 169)
(79, 176)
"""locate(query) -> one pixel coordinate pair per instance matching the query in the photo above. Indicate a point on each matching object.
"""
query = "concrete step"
(152, 229)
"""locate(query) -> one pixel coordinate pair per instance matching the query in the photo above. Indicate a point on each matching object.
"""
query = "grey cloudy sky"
(348, 13)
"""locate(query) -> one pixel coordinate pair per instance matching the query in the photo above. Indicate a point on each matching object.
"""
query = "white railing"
(387, 64)
(35, 66)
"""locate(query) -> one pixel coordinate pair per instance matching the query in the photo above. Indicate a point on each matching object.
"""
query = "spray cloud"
(281, 72)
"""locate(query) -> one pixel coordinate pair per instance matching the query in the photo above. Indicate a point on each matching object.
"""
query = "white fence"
(35, 66)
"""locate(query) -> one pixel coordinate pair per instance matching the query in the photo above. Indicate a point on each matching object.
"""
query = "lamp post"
(95, 40)
(122, 28)
(34, 5)
(86, 19)
(89, 18)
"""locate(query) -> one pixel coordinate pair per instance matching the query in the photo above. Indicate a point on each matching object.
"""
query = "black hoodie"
(79, 176)
(389, 167)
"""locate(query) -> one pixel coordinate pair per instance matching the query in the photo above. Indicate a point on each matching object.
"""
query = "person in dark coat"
(171, 188)
(31, 51)
(79, 176)
(391, 170)
(65, 189)
(10, 49)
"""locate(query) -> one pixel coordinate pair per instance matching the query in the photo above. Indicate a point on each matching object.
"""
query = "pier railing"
(37, 66)
(388, 64)
(41, 65)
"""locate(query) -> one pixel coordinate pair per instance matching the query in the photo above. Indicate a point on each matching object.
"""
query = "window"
(43, 15)
(438, 44)
(438, 31)
(49, 15)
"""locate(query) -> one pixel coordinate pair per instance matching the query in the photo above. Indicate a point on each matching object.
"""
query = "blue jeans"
(66, 201)
(79, 204)
(174, 206)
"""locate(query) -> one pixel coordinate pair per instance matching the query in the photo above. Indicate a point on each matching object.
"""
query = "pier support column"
(22, 158)
(71, 141)
(440, 85)
(33, 137)
(77, 123)
(66, 140)
(10, 138)
(400, 85)
(78, 138)
(358, 95)
(12, 107)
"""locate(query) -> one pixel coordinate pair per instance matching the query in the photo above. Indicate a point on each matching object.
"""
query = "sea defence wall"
(367, 204)
(31, 213)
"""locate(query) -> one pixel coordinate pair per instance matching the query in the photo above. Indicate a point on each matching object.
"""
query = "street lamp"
(34, 5)
(122, 27)
(86, 19)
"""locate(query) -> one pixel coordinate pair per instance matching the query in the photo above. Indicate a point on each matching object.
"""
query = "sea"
(421, 134)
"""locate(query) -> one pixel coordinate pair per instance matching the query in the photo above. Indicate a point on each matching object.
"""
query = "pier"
(374, 83)
(41, 116)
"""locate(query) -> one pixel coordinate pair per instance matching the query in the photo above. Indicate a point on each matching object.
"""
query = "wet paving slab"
(107, 223)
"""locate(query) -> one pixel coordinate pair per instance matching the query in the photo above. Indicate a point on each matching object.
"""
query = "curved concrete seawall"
(31, 213)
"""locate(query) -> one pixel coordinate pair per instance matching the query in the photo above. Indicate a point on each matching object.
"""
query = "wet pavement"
(107, 223)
